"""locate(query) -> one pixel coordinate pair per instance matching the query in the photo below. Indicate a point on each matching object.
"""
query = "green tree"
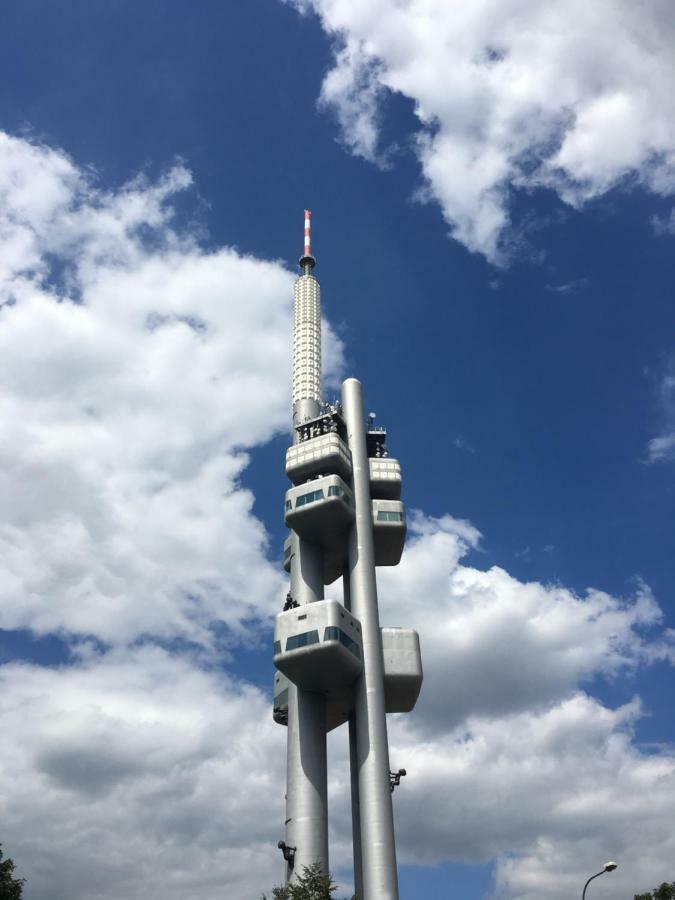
(11, 888)
(311, 885)
(665, 892)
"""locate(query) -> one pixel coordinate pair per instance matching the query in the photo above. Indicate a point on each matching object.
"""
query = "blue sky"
(492, 199)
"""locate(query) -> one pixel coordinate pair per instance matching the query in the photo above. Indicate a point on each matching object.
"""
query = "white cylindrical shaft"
(306, 349)
(306, 571)
(354, 776)
(306, 765)
(306, 773)
(378, 852)
(356, 809)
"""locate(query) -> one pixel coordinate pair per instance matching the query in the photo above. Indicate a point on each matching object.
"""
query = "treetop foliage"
(11, 888)
(311, 885)
(664, 892)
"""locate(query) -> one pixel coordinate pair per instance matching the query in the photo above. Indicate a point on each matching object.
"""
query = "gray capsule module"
(335, 663)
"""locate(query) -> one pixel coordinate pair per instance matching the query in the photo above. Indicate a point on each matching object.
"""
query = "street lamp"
(608, 867)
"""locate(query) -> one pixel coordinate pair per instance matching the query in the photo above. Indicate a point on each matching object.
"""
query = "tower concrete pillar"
(306, 765)
(378, 852)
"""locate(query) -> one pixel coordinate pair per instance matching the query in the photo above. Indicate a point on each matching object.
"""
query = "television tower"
(335, 663)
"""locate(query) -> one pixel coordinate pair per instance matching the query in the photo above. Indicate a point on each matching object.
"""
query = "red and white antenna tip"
(308, 248)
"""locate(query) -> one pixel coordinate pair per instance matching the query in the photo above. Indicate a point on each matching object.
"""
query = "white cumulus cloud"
(575, 97)
(494, 645)
(509, 760)
(140, 761)
(139, 774)
(549, 795)
(136, 370)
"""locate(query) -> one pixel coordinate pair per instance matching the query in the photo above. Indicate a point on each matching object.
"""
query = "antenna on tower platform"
(307, 261)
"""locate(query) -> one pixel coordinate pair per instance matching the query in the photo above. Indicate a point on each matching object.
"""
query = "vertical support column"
(356, 810)
(378, 851)
(306, 774)
(354, 776)
(306, 766)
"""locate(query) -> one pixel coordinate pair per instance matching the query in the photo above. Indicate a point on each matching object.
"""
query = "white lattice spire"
(307, 394)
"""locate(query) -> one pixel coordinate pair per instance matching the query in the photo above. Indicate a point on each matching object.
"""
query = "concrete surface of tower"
(335, 663)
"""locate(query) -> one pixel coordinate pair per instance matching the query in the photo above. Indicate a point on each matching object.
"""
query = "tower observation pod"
(335, 664)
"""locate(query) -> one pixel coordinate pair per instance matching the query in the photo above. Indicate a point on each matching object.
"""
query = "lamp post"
(608, 867)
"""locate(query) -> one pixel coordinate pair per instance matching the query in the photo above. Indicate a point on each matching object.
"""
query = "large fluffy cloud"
(136, 369)
(139, 774)
(507, 758)
(551, 795)
(140, 761)
(571, 96)
(494, 645)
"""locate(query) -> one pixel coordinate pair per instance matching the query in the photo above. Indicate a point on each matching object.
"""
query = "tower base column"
(306, 773)
(378, 851)
(306, 766)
